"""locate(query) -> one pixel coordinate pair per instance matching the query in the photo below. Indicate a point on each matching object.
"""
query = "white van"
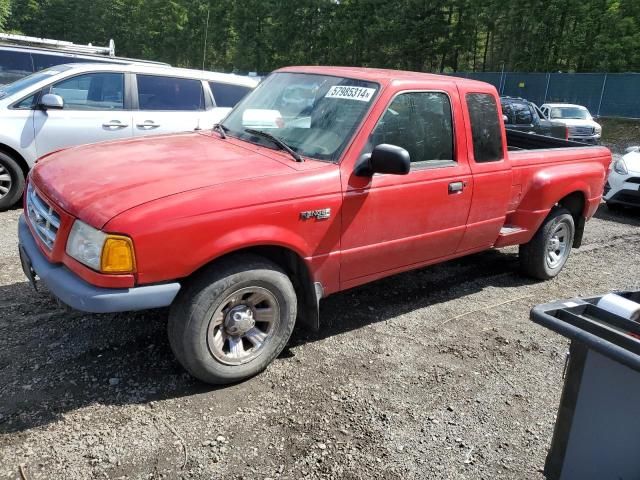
(68, 105)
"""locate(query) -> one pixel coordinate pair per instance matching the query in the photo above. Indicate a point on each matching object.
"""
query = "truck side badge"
(321, 214)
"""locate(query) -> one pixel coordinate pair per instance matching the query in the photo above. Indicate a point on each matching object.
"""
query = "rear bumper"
(78, 294)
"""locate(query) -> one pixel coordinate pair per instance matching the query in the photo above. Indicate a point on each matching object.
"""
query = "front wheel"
(11, 182)
(232, 319)
(547, 252)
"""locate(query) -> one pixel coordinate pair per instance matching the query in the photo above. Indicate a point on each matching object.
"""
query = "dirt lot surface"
(430, 374)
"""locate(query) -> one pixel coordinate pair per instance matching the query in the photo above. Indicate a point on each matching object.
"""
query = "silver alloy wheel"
(243, 325)
(557, 246)
(5, 182)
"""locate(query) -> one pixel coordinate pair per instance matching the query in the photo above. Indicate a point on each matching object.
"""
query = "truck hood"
(97, 182)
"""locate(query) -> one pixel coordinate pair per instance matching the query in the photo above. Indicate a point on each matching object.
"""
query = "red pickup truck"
(322, 179)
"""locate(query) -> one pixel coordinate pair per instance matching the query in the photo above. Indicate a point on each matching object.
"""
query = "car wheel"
(547, 252)
(232, 319)
(11, 182)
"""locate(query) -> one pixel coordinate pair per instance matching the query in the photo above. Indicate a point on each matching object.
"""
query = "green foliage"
(5, 8)
(427, 35)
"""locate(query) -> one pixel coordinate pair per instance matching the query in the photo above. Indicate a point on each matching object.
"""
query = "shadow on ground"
(53, 360)
(620, 214)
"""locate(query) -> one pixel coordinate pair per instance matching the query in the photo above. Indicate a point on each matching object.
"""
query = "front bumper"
(623, 189)
(78, 294)
(588, 140)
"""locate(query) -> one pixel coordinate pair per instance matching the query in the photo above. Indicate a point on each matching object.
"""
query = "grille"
(583, 131)
(633, 180)
(43, 218)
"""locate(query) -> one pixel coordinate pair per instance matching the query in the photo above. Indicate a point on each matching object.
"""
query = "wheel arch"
(307, 290)
(13, 153)
(576, 203)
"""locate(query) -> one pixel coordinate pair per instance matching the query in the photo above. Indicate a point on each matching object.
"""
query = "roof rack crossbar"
(109, 50)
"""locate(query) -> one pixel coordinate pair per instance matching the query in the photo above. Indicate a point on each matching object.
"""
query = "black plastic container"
(597, 431)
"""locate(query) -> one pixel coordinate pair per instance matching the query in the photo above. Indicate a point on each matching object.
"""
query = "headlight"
(100, 251)
(598, 129)
(620, 167)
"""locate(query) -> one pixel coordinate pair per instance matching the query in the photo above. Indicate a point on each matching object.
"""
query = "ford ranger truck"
(320, 180)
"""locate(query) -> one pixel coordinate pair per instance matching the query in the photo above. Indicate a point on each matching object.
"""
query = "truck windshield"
(572, 113)
(315, 115)
(18, 85)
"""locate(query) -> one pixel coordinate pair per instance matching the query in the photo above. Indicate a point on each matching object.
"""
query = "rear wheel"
(547, 252)
(11, 182)
(232, 319)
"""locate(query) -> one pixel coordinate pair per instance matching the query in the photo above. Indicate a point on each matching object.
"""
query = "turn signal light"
(117, 255)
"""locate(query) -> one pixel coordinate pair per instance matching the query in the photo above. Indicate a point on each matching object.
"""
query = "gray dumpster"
(597, 431)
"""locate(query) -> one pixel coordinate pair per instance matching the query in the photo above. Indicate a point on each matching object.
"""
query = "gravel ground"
(437, 373)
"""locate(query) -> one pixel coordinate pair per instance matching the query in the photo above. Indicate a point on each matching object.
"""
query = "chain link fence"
(604, 94)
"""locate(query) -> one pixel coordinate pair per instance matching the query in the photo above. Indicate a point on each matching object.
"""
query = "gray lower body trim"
(78, 294)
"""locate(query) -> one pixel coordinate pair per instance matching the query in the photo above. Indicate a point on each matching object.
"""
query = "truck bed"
(530, 141)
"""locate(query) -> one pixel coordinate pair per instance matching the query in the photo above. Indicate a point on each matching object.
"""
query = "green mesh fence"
(609, 95)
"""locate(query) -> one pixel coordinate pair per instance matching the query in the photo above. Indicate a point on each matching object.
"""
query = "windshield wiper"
(277, 141)
(221, 129)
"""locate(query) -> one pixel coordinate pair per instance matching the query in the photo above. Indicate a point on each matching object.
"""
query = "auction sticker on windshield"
(351, 93)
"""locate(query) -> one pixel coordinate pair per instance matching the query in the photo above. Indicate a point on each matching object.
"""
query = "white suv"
(69, 105)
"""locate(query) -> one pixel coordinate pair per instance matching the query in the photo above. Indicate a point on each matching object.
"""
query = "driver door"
(395, 222)
(94, 111)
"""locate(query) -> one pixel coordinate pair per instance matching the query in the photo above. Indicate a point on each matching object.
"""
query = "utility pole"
(206, 31)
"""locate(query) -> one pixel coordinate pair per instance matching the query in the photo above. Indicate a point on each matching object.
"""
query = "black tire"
(534, 256)
(191, 317)
(8, 166)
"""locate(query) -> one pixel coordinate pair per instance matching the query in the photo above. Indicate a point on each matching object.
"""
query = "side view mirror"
(385, 158)
(51, 101)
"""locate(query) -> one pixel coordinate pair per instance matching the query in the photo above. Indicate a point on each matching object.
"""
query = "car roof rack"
(61, 45)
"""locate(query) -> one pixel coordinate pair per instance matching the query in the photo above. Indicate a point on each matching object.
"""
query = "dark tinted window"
(228, 95)
(420, 123)
(92, 91)
(485, 127)
(14, 65)
(168, 93)
(517, 113)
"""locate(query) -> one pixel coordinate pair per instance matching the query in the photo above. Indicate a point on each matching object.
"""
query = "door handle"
(456, 187)
(114, 124)
(147, 125)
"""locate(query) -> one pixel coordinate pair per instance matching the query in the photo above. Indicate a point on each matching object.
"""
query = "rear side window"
(14, 65)
(92, 91)
(169, 93)
(227, 95)
(485, 127)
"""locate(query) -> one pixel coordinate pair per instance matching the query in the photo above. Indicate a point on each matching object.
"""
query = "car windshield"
(315, 115)
(18, 85)
(572, 113)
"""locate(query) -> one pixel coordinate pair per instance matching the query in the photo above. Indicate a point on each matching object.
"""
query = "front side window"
(26, 82)
(419, 122)
(92, 91)
(485, 127)
(169, 93)
(227, 95)
(315, 115)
